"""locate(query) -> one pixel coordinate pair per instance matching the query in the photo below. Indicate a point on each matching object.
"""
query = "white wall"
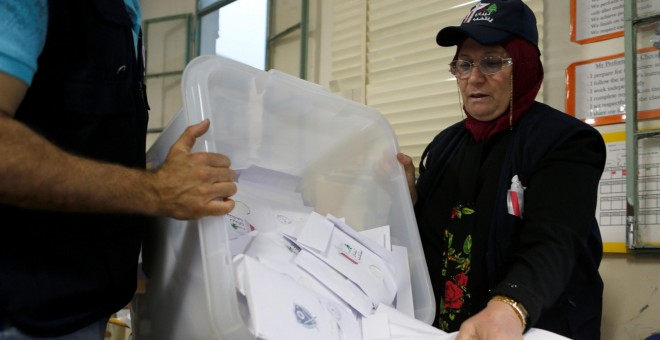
(632, 295)
(632, 281)
(162, 8)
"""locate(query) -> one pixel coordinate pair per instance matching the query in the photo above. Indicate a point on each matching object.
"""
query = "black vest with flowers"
(540, 130)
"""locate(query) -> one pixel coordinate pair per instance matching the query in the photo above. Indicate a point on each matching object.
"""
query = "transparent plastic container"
(343, 151)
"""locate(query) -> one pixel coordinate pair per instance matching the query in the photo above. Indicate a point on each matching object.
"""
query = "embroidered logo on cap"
(481, 12)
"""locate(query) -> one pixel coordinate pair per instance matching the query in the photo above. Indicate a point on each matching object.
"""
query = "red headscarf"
(527, 79)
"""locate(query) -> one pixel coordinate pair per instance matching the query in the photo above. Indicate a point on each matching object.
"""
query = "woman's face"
(485, 97)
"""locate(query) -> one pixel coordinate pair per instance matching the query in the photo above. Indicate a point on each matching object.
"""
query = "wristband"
(520, 311)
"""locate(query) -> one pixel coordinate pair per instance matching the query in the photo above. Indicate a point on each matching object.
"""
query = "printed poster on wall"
(611, 207)
(596, 20)
(596, 90)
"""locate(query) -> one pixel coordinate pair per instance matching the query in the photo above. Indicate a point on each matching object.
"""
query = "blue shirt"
(24, 25)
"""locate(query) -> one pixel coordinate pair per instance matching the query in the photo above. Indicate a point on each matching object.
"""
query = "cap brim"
(452, 35)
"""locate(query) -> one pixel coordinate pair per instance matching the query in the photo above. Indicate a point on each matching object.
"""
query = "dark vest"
(60, 272)
(540, 130)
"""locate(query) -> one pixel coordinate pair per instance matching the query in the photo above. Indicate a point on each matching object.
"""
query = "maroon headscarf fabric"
(527, 80)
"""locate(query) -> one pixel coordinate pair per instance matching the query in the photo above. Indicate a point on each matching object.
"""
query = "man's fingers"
(215, 160)
(190, 135)
(225, 189)
(218, 207)
(226, 176)
(197, 130)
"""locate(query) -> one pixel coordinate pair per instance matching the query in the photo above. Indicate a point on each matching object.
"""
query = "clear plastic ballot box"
(344, 153)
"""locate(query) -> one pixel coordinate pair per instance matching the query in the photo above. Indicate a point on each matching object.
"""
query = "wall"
(162, 8)
(632, 298)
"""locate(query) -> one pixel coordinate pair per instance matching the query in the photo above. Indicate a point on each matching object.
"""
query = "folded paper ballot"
(281, 308)
(404, 294)
(316, 233)
(372, 245)
(280, 182)
(347, 290)
(380, 235)
(353, 260)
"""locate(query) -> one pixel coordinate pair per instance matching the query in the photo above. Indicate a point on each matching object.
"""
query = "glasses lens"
(460, 67)
(490, 65)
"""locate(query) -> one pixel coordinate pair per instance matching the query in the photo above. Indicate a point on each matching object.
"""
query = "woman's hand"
(498, 321)
(409, 168)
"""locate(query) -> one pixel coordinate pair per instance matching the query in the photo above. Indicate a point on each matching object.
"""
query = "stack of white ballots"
(301, 275)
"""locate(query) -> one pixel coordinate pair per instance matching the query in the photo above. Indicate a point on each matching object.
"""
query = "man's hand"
(192, 185)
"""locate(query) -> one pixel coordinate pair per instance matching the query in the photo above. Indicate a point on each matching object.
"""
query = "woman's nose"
(476, 74)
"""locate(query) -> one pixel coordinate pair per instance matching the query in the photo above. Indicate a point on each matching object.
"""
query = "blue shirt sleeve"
(23, 25)
(135, 13)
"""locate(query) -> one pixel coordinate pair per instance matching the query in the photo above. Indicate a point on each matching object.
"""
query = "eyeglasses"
(489, 65)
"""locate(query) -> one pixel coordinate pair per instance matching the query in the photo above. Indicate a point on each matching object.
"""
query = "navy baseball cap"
(493, 23)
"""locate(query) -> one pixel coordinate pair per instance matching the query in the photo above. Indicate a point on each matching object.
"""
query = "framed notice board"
(596, 90)
(596, 20)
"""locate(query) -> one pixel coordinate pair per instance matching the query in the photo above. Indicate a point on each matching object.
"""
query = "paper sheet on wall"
(595, 20)
(611, 208)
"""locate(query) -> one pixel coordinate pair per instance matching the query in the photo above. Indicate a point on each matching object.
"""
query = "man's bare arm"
(34, 173)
